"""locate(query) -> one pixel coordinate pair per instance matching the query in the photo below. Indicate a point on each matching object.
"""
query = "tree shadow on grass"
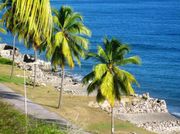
(10, 95)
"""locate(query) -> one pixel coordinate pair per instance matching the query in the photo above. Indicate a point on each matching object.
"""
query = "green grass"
(13, 122)
(16, 80)
(5, 74)
(5, 61)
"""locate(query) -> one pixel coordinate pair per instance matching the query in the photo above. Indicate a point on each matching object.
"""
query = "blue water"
(151, 27)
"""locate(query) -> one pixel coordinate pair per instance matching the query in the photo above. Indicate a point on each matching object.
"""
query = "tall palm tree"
(10, 23)
(69, 41)
(33, 13)
(107, 77)
(38, 44)
(28, 18)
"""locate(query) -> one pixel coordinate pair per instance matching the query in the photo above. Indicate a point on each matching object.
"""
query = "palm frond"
(107, 88)
(100, 70)
(102, 53)
(93, 86)
(67, 52)
(88, 78)
(100, 98)
(130, 60)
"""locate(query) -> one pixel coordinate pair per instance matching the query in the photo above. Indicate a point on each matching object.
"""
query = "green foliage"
(107, 88)
(13, 122)
(69, 41)
(5, 61)
(29, 20)
(33, 16)
(110, 81)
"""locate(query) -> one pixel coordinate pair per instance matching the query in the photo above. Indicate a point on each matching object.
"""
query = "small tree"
(69, 41)
(110, 81)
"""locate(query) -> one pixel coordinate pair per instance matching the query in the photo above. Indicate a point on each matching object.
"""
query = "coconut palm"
(35, 30)
(107, 77)
(10, 23)
(69, 41)
(32, 13)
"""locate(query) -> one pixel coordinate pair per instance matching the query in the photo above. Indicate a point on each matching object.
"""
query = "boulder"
(93, 104)
(28, 59)
(8, 47)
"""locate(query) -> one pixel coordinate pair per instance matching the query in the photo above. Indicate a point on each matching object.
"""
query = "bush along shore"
(143, 110)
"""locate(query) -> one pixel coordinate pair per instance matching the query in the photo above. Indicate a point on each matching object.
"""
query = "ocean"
(150, 27)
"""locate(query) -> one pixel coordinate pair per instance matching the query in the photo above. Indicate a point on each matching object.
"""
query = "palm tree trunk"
(14, 45)
(35, 68)
(61, 88)
(25, 98)
(25, 92)
(112, 120)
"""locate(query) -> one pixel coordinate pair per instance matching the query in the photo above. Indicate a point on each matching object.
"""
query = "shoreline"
(74, 87)
(176, 115)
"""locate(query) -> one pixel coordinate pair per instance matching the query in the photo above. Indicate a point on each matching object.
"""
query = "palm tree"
(38, 44)
(69, 41)
(28, 18)
(10, 22)
(110, 81)
(28, 29)
(32, 13)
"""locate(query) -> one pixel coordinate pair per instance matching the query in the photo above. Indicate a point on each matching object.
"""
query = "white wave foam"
(176, 114)
(77, 77)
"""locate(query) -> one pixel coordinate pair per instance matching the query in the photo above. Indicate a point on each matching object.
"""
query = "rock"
(8, 47)
(140, 96)
(28, 59)
(93, 104)
(20, 76)
(5, 54)
(134, 103)
(43, 84)
(105, 106)
(145, 96)
(133, 133)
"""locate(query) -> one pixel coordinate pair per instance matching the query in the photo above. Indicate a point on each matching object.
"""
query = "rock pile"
(44, 76)
(143, 105)
(136, 104)
(162, 127)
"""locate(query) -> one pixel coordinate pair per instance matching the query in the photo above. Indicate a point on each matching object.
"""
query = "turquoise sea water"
(151, 27)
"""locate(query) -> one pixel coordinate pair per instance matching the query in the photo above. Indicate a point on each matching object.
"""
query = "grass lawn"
(74, 108)
(5, 61)
(13, 122)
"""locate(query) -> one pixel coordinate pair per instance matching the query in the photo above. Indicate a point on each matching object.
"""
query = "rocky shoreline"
(144, 111)
(44, 74)
(137, 106)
